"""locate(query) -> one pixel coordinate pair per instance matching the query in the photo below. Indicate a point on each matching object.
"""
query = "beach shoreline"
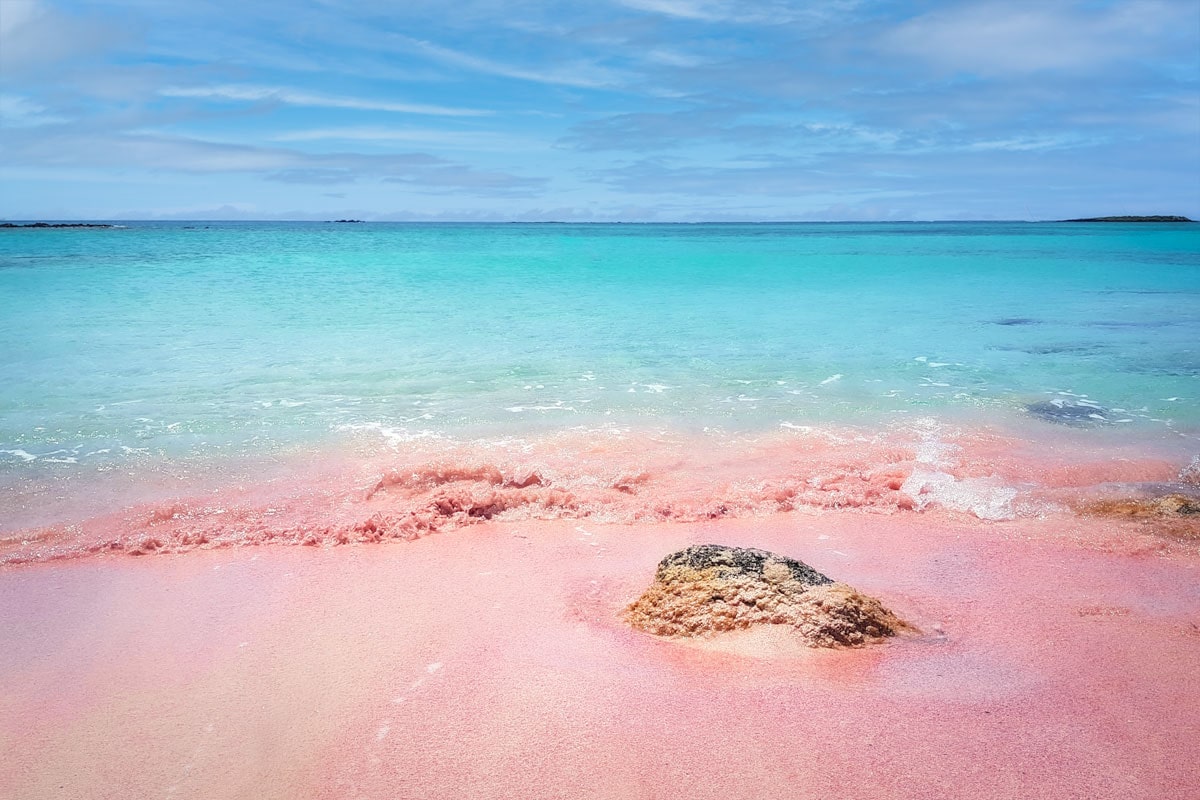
(491, 660)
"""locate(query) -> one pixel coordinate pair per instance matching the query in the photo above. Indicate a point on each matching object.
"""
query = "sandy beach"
(1054, 660)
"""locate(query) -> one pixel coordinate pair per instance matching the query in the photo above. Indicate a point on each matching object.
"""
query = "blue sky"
(604, 110)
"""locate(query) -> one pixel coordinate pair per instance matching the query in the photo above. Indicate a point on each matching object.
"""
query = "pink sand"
(486, 657)
(490, 662)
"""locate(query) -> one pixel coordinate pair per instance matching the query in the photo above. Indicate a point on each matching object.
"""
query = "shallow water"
(163, 353)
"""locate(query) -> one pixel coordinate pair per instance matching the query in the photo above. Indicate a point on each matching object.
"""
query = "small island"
(1159, 218)
(55, 225)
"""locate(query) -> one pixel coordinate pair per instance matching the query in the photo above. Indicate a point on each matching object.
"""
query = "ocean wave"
(625, 477)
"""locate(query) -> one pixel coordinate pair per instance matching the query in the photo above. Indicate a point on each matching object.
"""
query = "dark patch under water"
(1122, 324)
(1053, 349)
(1050, 349)
(1017, 321)
(1077, 413)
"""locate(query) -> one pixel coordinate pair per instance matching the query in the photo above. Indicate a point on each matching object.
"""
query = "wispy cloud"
(769, 12)
(580, 73)
(20, 112)
(1004, 38)
(433, 137)
(706, 10)
(1029, 143)
(34, 35)
(15, 14)
(177, 154)
(295, 97)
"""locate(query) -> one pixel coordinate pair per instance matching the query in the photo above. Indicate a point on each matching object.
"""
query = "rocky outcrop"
(708, 589)
(1170, 510)
(1173, 504)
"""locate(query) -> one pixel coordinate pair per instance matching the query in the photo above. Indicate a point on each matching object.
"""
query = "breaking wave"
(431, 486)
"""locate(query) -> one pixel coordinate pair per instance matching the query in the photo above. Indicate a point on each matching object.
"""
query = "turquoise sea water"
(187, 340)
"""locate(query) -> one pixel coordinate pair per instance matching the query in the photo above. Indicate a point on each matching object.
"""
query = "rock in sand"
(708, 589)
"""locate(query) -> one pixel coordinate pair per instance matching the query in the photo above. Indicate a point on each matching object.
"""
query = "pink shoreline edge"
(490, 662)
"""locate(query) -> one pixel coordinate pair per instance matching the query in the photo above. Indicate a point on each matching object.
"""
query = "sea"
(638, 370)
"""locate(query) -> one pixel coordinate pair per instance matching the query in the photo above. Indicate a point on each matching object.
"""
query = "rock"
(1163, 509)
(1176, 504)
(1076, 413)
(708, 589)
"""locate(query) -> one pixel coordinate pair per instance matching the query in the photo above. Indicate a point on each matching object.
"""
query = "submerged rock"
(1077, 413)
(1163, 509)
(707, 589)
(1174, 504)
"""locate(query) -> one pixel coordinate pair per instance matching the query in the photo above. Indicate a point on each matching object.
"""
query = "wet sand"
(1056, 659)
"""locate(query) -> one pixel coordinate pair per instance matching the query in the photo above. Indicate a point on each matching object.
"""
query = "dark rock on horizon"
(56, 225)
(1155, 218)
(708, 589)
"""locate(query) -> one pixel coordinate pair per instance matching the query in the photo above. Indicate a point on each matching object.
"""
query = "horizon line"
(112, 220)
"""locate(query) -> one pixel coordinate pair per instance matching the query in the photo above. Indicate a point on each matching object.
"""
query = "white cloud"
(705, 10)
(433, 137)
(674, 58)
(1029, 143)
(766, 13)
(33, 35)
(301, 98)
(14, 14)
(996, 38)
(19, 112)
(582, 75)
(154, 152)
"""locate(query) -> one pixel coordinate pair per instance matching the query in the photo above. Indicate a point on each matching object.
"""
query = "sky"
(630, 110)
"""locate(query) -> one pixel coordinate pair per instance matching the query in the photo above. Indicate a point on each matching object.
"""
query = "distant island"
(348, 220)
(1132, 219)
(55, 225)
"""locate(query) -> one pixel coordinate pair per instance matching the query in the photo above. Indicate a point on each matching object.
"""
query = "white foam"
(393, 436)
(983, 497)
(831, 379)
(21, 454)
(932, 450)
